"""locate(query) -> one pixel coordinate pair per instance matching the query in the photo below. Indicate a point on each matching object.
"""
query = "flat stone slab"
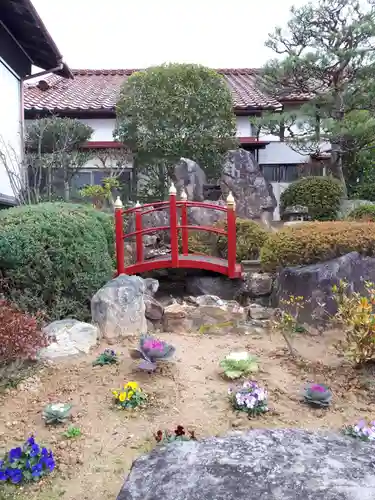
(263, 464)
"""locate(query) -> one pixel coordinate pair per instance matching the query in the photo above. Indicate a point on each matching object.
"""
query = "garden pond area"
(188, 390)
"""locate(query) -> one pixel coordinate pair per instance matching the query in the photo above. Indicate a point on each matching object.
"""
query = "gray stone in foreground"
(118, 308)
(283, 464)
(68, 337)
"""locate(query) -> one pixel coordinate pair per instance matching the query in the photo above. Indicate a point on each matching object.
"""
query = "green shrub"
(313, 242)
(250, 238)
(249, 234)
(201, 242)
(363, 212)
(321, 195)
(54, 257)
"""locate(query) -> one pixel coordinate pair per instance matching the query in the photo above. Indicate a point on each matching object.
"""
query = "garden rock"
(118, 308)
(176, 319)
(215, 315)
(225, 288)
(202, 216)
(68, 337)
(257, 284)
(260, 313)
(154, 310)
(315, 282)
(242, 176)
(190, 177)
(278, 464)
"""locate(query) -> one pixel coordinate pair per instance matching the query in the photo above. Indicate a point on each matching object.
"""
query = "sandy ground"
(188, 391)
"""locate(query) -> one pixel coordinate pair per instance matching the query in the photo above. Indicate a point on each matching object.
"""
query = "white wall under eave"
(280, 153)
(243, 126)
(103, 128)
(10, 125)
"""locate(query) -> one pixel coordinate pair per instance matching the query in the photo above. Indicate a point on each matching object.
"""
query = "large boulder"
(315, 282)
(190, 177)
(118, 308)
(68, 337)
(221, 286)
(242, 176)
(279, 464)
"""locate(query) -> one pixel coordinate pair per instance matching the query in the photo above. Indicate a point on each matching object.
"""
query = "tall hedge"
(54, 257)
(321, 195)
(314, 242)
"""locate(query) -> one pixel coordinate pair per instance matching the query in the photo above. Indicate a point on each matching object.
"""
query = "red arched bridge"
(178, 224)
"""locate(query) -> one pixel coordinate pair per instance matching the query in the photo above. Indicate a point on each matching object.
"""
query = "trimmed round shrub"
(321, 195)
(201, 242)
(314, 242)
(364, 212)
(53, 258)
(250, 237)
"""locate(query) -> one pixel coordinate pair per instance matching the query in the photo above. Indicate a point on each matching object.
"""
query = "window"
(285, 173)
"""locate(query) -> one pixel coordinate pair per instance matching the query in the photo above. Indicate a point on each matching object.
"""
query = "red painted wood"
(173, 230)
(139, 235)
(231, 223)
(207, 264)
(203, 204)
(156, 204)
(193, 261)
(120, 245)
(184, 228)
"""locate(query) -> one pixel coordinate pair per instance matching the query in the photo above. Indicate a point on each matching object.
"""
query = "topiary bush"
(54, 257)
(314, 242)
(364, 212)
(321, 195)
(250, 238)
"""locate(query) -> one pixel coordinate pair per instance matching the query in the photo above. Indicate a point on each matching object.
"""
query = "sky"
(107, 34)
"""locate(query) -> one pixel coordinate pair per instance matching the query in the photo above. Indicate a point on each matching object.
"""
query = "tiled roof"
(97, 90)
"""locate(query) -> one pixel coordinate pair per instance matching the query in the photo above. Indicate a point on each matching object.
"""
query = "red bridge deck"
(190, 261)
(178, 215)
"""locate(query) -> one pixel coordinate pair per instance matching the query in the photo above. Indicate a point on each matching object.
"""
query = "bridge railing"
(175, 207)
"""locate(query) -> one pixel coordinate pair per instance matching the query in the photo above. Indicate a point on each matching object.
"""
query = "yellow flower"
(115, 393)
(130, 394)
(122, 397)
(132, 385)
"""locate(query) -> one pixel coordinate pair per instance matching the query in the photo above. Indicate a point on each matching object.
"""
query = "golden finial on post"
(230, 200)
(118, 203)
(172, 189)
(183, 195)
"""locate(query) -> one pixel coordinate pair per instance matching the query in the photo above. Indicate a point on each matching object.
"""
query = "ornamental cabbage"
(151, 349)
(317, 395)
(239, 364)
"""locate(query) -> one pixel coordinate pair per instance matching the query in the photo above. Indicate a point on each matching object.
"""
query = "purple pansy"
(15, 454)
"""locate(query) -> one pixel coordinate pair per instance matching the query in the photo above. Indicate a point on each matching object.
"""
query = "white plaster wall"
(280, 153)
(103, 128)
(243, 126)
(10, 125)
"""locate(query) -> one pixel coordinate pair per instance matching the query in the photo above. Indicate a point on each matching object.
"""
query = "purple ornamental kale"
(150, 350)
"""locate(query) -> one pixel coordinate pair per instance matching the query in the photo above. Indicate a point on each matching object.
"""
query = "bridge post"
(231, 225)
(173, 224)
(138, 236)
(119, 230)
(184, 222)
